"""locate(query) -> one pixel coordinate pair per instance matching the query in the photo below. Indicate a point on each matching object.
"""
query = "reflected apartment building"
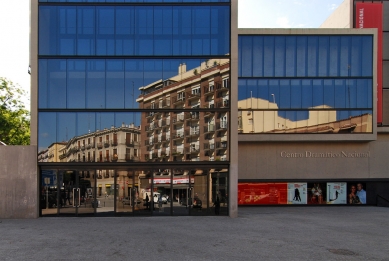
(187, 135)
(318, 119)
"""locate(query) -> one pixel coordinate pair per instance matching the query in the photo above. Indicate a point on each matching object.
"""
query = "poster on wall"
(317, 193)
(262, 193)
(356, 193)
(336, 193)
(297, 193)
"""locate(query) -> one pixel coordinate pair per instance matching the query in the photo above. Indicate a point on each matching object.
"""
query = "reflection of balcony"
(192, 132)
(114, 142)
(165, 138)
(222, 87)
(99, 145)
(130, 157)
(178, 135)
(193, 149)
(179, 119)
(222, 125)
(149, 114)
(106, 159)
(82, 147)
(209, 146)
(106, 144)
(208, 153)
(209, 90)
(178, 151)
(210, 128)
(149, 143)
(157, 140)
(178, 100)
(114, 158)
(62, 156)
(131, 143)
(192, 96)
(223, 104)
(165, 123)
(90, 146)
(208, 114)
(221, 145)
(194, 116)
(165, 103)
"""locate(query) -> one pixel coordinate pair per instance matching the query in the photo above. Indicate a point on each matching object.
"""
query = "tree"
(14, 117)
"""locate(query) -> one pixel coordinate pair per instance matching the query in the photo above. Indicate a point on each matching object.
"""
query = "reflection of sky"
(59, 127)
(308, 93)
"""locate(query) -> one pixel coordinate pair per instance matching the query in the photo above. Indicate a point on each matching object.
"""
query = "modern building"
(161, 66)
(310, 113)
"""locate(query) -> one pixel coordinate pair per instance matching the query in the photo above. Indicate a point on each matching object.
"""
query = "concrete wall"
(18, 182)
(296, 160)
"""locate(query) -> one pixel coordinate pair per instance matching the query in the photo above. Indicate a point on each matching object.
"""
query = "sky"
(14, 29)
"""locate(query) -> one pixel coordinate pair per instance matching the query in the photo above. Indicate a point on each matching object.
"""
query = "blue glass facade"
(305, 78)
(134, 30)
(133, 99)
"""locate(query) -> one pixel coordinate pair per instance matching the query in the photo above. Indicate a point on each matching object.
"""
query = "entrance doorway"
(133, 191)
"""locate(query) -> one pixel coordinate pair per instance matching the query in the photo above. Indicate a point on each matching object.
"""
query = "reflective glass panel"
(305, 121)
(134, 30)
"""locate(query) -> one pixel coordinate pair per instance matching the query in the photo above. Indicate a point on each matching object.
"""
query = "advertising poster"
(297, 193)
(356, 194)
(336, 193)
(262, 193)
(317, 193)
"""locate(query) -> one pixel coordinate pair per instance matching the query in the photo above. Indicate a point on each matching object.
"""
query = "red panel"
(262, 193)
(370, 15)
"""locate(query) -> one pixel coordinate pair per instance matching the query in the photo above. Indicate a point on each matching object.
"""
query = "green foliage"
(14, 118)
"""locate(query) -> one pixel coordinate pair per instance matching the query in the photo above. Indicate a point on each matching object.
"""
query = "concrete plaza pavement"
(260, 233)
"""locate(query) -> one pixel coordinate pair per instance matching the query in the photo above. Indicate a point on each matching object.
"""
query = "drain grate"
(343, 252)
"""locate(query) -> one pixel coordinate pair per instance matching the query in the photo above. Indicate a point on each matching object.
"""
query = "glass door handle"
(74, 189)
(79, 197)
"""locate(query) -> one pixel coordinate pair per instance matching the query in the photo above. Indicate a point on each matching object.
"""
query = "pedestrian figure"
(216, 204)
(147, 201)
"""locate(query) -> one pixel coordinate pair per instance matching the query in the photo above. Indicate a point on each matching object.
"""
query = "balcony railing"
(209, 90)
(114, 142)
(222, 125)
(193, 96)
(223, 104)
(114, 158)
(192, 132)
(209, 146)
(99, 145)
(178, 135)
(165, 103)
(221, 145)
(179, 119)
(209, 128)
(192, 149)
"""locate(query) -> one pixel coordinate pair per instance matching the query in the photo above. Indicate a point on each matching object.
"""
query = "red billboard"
(370, 15)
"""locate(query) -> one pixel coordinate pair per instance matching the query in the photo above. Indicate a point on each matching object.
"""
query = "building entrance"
(131, 191)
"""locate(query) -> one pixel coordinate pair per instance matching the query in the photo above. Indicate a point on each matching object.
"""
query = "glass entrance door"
(182, 192)
(75, 189)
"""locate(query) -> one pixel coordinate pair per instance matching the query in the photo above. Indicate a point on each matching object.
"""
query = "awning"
(107, 185)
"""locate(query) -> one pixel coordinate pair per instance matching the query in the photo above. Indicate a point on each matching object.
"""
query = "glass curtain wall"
(129, 84)
(305, 84)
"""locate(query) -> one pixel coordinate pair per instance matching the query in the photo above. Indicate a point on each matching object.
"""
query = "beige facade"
(314, 160)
